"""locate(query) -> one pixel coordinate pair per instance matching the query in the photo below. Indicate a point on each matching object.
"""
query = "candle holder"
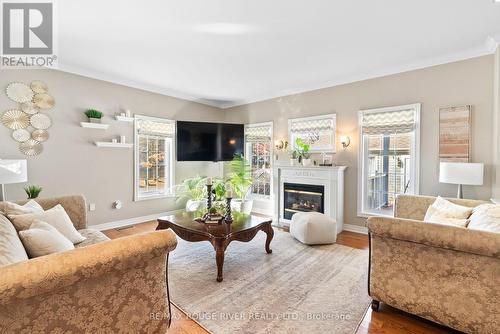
(229, 216)
(209, 196)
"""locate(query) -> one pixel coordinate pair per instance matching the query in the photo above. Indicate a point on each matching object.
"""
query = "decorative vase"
(196, 205)
(94, 120)
(243, 206)
(306, 162)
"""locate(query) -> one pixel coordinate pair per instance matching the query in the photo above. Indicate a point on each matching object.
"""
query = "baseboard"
(132, 221)
(355, 228)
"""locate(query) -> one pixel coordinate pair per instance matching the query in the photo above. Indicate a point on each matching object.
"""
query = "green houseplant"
(93, 115)
(240, 180)
(33, 191)
(303, 151)
(194, 192)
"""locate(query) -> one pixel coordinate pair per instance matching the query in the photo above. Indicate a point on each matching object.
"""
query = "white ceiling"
(271, 48)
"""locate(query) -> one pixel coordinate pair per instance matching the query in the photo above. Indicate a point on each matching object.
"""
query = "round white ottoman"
(313, 228)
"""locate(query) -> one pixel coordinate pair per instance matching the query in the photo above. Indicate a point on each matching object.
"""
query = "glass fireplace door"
(302, 198)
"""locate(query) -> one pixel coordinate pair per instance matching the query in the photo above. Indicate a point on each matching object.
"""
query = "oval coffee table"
(243, 228)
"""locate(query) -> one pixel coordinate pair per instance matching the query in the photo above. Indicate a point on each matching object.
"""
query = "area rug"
(296, 289)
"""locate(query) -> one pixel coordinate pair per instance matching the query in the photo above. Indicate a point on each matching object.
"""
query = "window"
(258, 151)
(317, 131)
(389, 157)
(154, 168)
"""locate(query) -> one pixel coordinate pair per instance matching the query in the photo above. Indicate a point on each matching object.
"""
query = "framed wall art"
(455, 128)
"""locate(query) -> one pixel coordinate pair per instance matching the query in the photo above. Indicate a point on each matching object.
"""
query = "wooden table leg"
(219, 257)
(270, 234)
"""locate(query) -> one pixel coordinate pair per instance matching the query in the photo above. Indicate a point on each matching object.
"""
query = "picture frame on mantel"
(318, 131)
(455, 133)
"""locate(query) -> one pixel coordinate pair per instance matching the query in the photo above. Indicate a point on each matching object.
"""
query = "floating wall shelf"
(99, 126)
(124, 118)
(113, 145)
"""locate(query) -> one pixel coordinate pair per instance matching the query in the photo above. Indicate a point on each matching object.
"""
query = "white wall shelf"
(109, 144)
(98, 126)
(124, 119)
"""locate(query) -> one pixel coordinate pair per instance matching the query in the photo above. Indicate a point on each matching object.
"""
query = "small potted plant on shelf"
(240, 179)
(294, 158)
(33, 191)
(303, 149)
(93, 115)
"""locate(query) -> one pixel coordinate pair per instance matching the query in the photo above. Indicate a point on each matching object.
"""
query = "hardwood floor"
(387, 321)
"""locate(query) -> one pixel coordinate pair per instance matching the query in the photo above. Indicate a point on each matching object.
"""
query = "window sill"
(140, 199)
(372, 214)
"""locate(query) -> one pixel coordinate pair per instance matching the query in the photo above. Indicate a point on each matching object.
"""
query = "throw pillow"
(448, 213)
(43, 239)
(15, 209)
(56, 217)
(11, 248)
(486, 217)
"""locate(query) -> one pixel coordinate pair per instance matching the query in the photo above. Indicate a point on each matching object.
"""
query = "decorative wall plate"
(21, 135)
(39, 86)
(44, 101)
(31, 147)
(40, 135)
(29, 108)
(19, 92)
(40, 121)
(15, 119)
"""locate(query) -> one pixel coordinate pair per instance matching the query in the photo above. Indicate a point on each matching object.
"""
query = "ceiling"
(226, 53)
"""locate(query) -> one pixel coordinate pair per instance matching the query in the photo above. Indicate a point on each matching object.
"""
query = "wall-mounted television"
(200, 141)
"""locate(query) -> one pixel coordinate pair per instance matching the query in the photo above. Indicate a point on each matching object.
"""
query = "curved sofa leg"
(375, 305)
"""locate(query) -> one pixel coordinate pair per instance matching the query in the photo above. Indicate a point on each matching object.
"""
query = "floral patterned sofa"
(102, 286)
(449, 275)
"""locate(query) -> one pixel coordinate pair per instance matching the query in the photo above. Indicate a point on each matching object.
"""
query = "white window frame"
(171, 159)
(271, 125)
(415, 154)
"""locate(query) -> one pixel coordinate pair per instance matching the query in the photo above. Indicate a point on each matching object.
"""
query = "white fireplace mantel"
(332, 178)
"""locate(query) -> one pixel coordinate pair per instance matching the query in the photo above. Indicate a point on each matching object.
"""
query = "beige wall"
(465, 82)
(72, 164)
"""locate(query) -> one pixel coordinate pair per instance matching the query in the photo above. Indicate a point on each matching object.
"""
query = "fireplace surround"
(306, 189)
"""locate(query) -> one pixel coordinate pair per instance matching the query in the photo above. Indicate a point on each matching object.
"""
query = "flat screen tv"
(199, 141)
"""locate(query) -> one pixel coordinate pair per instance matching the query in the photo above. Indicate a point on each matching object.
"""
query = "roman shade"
(258, 132)
(308, 125)
(388, 122)
(155, 128)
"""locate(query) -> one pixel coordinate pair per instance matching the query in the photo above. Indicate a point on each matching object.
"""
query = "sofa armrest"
(436, 235)
(56, 271)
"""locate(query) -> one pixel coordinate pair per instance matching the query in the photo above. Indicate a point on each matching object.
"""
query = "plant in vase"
(93, 115)
(294, 157)
(194, 192)
(33, 191)
(240, 180)
(303, 151)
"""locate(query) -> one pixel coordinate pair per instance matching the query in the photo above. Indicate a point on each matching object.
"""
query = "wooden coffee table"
(243, 228)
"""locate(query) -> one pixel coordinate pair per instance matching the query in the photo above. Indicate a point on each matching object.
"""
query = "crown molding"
(490, 46)
(77, 70)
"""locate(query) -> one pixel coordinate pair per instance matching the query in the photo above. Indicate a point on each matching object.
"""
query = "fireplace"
(302, 198)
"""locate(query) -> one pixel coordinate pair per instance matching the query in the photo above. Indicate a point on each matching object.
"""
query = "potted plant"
(33, 191)
(240, 179)
(294, 157)
(303, 149)
(93, 115)
(194, 192)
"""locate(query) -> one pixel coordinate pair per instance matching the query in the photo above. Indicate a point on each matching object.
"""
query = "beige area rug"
(296, 289)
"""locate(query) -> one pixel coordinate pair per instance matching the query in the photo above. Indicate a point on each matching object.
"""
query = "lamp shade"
(13, 171)
(461, 173)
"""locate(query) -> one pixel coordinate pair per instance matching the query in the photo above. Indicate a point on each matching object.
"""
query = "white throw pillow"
(11, 248)
(15, 209)
(43, 239)
(56, 217)
(448, 213)
(486, 217)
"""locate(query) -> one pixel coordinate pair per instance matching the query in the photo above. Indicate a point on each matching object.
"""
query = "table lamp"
(461, 173)
(12, 171)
